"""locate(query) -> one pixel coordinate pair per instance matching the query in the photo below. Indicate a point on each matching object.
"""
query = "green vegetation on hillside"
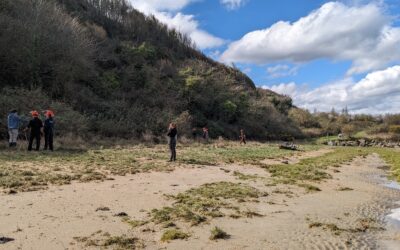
(107, 69)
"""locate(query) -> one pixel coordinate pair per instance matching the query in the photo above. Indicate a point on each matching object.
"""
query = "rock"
(4, 240)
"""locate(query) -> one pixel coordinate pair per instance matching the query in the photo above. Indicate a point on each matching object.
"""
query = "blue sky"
(323, 54)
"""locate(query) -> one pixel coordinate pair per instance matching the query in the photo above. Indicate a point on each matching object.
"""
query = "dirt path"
(50, 219)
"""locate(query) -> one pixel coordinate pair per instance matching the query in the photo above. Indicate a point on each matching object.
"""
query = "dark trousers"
(34, 136)
(172, 148)
(48, 140)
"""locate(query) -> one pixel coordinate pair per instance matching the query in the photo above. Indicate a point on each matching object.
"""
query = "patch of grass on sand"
(312, 169)
(217, 233)
(232, 152)
(245, 177)
(174, 234)
(362, 225)
(391, 157)
(327, 226)
(27, 171)
(134, 223)
(197, 204)
(106, 240)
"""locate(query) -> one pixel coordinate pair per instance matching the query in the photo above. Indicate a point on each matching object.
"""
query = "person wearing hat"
(13, 126)
(48, 130)
(36, 129)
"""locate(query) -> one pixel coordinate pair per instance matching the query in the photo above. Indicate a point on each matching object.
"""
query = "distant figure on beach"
(36, 130)
(242, 137)
(205, 134)
(13, 126)
(172, 138)
(48, 130)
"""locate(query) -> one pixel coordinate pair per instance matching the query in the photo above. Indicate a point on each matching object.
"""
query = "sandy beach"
(348, 213)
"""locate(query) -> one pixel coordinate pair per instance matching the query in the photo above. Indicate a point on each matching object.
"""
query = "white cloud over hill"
(168, 12)
(378, 92)
(362, 34)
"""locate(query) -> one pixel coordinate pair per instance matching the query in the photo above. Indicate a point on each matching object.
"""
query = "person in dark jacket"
(172, 136)
(36, 129)
(13, 121)
(48, 130)
(205, 134)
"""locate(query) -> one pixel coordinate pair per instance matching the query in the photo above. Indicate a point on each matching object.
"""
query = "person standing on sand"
(172, 138)
(48, 130)
(242, 137)
(13, 126)
(205, 134)
(36, 130)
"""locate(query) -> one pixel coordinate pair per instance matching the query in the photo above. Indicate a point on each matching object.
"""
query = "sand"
(50, 219)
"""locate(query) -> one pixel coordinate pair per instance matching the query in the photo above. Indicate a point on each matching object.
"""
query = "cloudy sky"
(323, 54)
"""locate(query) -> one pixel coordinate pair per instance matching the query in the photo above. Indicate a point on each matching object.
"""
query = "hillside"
(108, 70)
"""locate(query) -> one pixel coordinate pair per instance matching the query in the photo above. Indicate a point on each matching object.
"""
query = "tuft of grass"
(105, 240)
(134, 223)
(327, 226)
(245, 177)
(174, 234)
(121, 241)
(217, 233)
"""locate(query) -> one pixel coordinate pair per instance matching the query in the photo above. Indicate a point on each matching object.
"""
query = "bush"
(218, 233)
(394, 129)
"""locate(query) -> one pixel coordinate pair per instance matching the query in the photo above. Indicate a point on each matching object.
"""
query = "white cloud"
(378, 92)
(233, 4)
(290, 89)
(281, 70)
(362, 34)
(168, 12)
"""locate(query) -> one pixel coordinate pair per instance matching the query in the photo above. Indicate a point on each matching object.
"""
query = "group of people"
(37, 128)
